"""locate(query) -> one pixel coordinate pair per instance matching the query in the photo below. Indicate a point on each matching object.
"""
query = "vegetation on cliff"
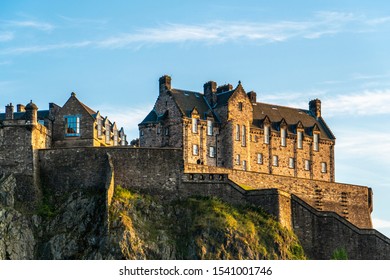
(196, 228)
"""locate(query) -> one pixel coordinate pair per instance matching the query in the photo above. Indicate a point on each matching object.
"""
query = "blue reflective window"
(72, 126)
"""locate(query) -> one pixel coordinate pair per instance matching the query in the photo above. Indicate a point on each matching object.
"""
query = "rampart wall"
(350, 201)
(160, 172)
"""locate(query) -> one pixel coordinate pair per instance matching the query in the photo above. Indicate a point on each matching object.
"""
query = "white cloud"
(380, 224)
(6, 36)
(43, 48)
(43, 26)
(373, 102)
(126, 117)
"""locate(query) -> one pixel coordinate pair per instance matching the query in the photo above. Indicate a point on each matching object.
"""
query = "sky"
(112, 53)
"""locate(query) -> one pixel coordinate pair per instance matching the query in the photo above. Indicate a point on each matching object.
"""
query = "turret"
(31, 114)
(9, 112)
(165, 83)
(315, 107)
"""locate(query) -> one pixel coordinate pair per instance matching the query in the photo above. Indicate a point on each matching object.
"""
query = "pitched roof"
(188, 100)
(42, 114)
(292, 116)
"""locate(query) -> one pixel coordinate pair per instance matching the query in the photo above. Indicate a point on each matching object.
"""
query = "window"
(275, 160)
(243, 143)
(260, 158)
(209, 128)
(142, 132)
(123, 140)
(99, 127)
(72, 126)
(195, 150)
(316, 137)
(244, 165)
(237, 132)
(291, 162)
(300, 139)
(307, 165)
(166, 131)
(266, 135)
(115, 137)
(194, 125)
(240, 106)
(324, 168)
(212, 151)
(108, 134)
(283, 135)
(256, 138)
(238, 161)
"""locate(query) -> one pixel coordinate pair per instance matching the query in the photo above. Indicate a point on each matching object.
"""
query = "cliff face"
(136, 226)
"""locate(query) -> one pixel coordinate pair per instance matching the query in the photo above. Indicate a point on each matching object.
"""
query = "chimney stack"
(252, 96)
(209, 90)
(20, 108)
(9, 112)
(315, 107)
(165, 83)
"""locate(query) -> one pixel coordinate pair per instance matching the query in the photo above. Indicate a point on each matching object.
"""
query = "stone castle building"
(221, 142)
(227, 127)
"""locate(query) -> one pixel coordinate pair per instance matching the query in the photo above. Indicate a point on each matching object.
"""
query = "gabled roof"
(188, 100)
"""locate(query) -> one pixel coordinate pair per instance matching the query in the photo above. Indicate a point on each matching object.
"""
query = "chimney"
(31, 114)
(252, 96)
(165, 83)
(20, 108)
(315, 107)
(9, 112)
(209, 90)
(224, 88)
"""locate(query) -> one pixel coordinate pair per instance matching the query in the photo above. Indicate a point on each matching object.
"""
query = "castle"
(221, 142)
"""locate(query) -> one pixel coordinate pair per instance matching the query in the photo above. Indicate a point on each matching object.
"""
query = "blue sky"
(111, 53)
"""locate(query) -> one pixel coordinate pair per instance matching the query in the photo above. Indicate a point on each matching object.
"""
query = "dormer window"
(266, 134)
(316, 138)
(194, 125)
(115, 137)
(108, 134)
(283, 135)
(72, 126)
(99, 127)
(239, 106)
(300, 139)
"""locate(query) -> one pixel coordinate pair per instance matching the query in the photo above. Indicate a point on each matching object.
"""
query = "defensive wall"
(161, 172)
(350, 201)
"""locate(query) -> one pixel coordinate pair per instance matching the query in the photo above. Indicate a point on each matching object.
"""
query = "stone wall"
(322, 233)
(350, 201)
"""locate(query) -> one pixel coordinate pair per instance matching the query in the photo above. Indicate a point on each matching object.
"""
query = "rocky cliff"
(135, 226)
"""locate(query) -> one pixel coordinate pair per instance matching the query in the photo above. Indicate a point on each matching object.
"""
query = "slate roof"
(292, 116)
(188, 100)
(42, 114)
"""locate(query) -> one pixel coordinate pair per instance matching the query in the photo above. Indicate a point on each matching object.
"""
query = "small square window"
(195, 150)
(324, 168)
(291, 162)
(260, 158)
(307, 165)
(212, 151)
(275, 160)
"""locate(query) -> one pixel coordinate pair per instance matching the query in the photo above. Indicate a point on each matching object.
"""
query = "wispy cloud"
(6, 36)
(217, 32)
(43, 48)
(380, 223)
(125, 117)
(43, 26)
(365, 103)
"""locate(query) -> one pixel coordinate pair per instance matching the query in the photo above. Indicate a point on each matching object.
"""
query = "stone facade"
(227, 127)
